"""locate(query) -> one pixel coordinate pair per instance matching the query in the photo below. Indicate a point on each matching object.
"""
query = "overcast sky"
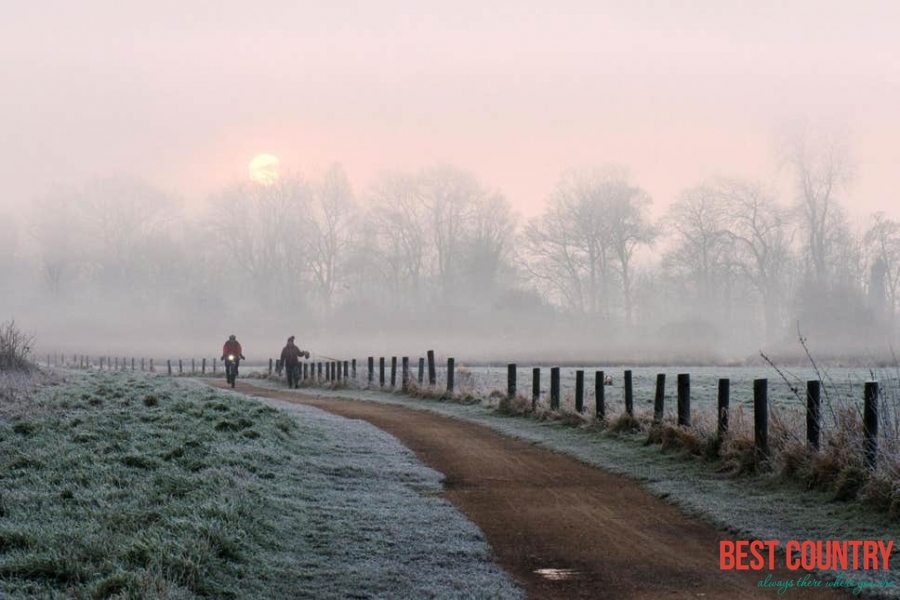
(184, 93)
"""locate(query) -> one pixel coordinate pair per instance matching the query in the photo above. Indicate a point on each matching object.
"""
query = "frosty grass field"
(126, 486)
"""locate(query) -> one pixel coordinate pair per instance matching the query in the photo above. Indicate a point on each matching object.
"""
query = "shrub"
(15, 347)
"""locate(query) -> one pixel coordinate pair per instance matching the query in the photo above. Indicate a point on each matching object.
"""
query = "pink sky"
(517, 92)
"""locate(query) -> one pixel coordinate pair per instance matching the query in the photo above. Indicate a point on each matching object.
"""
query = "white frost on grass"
(124, 485)
(373, 523)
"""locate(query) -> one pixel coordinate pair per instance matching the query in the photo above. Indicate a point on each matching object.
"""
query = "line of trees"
(728, 262)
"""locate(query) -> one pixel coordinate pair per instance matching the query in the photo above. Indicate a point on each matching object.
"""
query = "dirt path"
(541, 510)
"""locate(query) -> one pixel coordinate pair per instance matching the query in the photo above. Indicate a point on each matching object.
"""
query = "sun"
(263, 169)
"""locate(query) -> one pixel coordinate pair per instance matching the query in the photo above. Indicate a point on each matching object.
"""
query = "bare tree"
(821, 169)
(449, 195)
(552, 259)
(883, 241)
(332, 232)
(595, 220)
(398, 227)
(58, 232)
(702, 250)
(488, 246)
(759, 230)
(264, 231)
(626, 215)
(126, 220)
(582, 196)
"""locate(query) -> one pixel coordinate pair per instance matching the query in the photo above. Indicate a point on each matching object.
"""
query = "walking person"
(290, 360)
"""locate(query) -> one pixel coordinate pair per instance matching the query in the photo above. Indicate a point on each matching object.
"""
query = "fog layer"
(434, 259)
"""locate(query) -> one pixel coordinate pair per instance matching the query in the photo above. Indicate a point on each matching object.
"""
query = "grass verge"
(127, 486)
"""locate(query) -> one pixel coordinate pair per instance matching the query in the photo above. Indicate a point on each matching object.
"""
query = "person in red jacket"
(290, 360)
(232, 346)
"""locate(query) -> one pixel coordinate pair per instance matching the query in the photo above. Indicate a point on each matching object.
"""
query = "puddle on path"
(557, 574)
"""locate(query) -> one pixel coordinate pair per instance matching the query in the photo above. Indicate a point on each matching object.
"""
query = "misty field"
(127, 486)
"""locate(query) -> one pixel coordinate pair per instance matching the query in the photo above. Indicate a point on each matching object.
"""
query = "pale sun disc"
(263, 169)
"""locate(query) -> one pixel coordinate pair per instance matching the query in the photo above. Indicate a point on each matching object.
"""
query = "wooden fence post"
(579, 391)
(600, 394)
(180, 367)
(193, 366)
(117, 362)
(347, 370)
(451, 375)
(761, 417)
(421, 371)
(554, 388)
(371, 369)
(432, 376)
(535, 387)
(318, 371)
(270, 366)
(393, 372)
(629, 394)
(142, 364)
(684, 399)
(203, 367)
(381, 370)
(724, 401)
(813, 413)
(659, 401)
(404, 375)
(511, 381)
(353, 365)
(870, 423)
(169, 365)
(132, 363)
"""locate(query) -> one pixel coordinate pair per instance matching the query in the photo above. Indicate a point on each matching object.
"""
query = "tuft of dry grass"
(625, 423)
(518, 406)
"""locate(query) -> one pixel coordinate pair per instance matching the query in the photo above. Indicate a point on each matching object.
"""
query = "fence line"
(338, 372)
